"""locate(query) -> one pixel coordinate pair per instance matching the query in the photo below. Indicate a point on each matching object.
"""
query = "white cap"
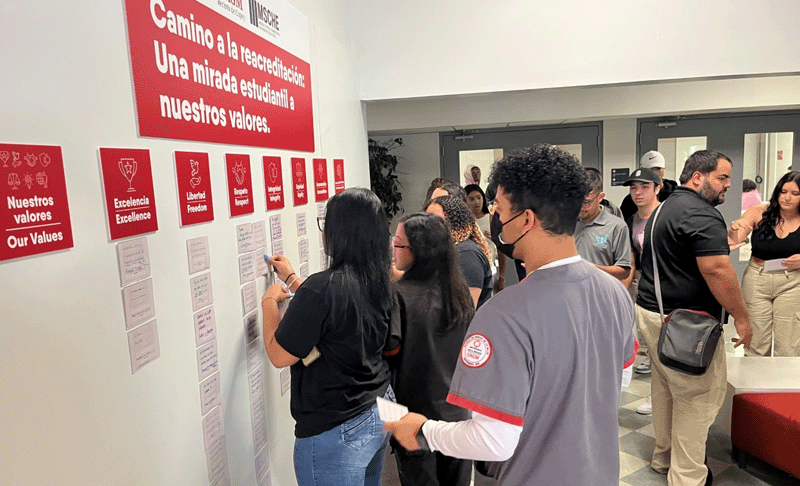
(652, 159)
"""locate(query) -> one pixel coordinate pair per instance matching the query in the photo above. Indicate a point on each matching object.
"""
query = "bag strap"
(656, 279)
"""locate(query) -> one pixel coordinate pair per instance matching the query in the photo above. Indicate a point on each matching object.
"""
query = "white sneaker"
(646, 408)
(643, 368)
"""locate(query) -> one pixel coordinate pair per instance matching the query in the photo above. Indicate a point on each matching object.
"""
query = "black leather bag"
(688, 338)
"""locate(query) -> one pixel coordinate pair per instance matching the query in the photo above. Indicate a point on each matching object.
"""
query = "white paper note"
(205, 326)
(207, 360)
(261, 266)
(143, 345)
(213, 427)
(275, 227)
(251, 328)
(259, 233)
(201, 291)
(247, 267)
(217, 458)
(209, 394)
(137, 299)
(255, 355)
(249, 299)
(302, 249)
(256, 382)
(301, 224)
(303, 271)
(390, 411)
(198, 255)
(244, 237)
(773, 265)
(259, 423)
(286, 380)
(262, 462)
(277, 247)
(134, 260)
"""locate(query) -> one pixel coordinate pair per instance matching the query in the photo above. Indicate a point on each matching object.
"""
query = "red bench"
(767, 426)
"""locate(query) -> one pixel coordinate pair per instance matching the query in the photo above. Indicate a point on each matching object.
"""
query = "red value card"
(130, 199)
(273, 182)
(194, 188)
(338, 175)
(299, 185)
(240, 184)
(320, 180)
(35, 216)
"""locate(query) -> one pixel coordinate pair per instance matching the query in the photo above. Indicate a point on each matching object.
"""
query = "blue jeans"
(349, 454)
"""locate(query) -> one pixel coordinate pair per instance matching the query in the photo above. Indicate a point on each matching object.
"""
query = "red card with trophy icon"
(194, 188)
(130, 198)
(299, 185)
(35, 210)
(320, 180)
(240, 184)
(273, 182)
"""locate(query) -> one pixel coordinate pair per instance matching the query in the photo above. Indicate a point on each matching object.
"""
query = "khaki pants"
(773, 301)
(684, 407)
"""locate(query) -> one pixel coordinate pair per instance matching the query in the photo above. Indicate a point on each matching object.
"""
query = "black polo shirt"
(687, 227)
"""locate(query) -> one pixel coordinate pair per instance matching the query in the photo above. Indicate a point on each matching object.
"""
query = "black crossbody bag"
(688, 337)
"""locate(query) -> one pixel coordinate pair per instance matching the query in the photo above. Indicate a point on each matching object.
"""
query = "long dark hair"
(357, 241)
(435, 263)
(476, 188)
(772, 215)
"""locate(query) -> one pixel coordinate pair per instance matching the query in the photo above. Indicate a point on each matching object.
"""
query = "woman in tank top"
(771, 282)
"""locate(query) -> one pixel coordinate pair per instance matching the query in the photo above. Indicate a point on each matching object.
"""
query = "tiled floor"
(636, 441)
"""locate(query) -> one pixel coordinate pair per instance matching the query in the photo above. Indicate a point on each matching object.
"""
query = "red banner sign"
(299, 185)
(320, 179)
(200, 76)
(130, 199)
(338, 175)
(240, 184)
(194, 188)
(273, 182)
(35, 216)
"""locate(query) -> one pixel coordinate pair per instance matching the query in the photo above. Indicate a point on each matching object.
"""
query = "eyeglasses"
(588, 202)
(394, 243)
(321, 223)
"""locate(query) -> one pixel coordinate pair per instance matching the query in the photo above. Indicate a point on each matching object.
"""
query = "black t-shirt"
(424, 366)
(476, 269)
(350, 373)
(687, 227)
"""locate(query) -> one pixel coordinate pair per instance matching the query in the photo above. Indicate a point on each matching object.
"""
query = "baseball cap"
(643, 175)
(652, 159)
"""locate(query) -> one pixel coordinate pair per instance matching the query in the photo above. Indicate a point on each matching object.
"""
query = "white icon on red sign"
(41, 179)
(13, 181)
(28, 180)
(298, 170)
(31, 160)
(339, 171)
(44, 159)
(320, 170)
(194, 181)
(16, 162)
(4, 157)
(239, 171)
(128, 168)
(273, 172)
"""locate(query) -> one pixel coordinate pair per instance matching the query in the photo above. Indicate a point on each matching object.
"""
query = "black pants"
(431, 469)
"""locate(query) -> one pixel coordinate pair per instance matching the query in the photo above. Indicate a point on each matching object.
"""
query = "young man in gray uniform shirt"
(542, 363)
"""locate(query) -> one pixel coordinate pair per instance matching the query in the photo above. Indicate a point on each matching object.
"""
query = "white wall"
(419, 48)
(72, 413)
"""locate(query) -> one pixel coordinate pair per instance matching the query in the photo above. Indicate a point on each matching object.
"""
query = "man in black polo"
(691, 246)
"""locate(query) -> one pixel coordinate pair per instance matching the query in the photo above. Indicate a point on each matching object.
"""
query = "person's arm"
(615, 271)
(629, 279)
(479, 438)
(744, 225)
(721, 278)
(278, 356)
(793, 262)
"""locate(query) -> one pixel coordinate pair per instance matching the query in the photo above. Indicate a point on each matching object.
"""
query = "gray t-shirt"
(604, 241)
(548, 355)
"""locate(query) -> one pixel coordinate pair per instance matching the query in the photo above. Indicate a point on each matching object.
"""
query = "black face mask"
(496, 227)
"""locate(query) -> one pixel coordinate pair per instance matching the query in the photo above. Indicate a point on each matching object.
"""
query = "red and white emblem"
(476, 351)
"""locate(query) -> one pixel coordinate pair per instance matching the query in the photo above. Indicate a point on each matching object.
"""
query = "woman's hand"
(277, 292)
(793, 262)
(741, 225)
(282, 266)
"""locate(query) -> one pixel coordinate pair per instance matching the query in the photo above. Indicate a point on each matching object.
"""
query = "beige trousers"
(684, 407)
(773, 301)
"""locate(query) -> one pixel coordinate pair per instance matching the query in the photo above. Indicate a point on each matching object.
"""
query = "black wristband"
(287, 277)
(422, 441)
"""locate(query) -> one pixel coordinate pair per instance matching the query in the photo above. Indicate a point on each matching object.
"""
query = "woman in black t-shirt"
(337, 323)
(773, 296)
(434, 310)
